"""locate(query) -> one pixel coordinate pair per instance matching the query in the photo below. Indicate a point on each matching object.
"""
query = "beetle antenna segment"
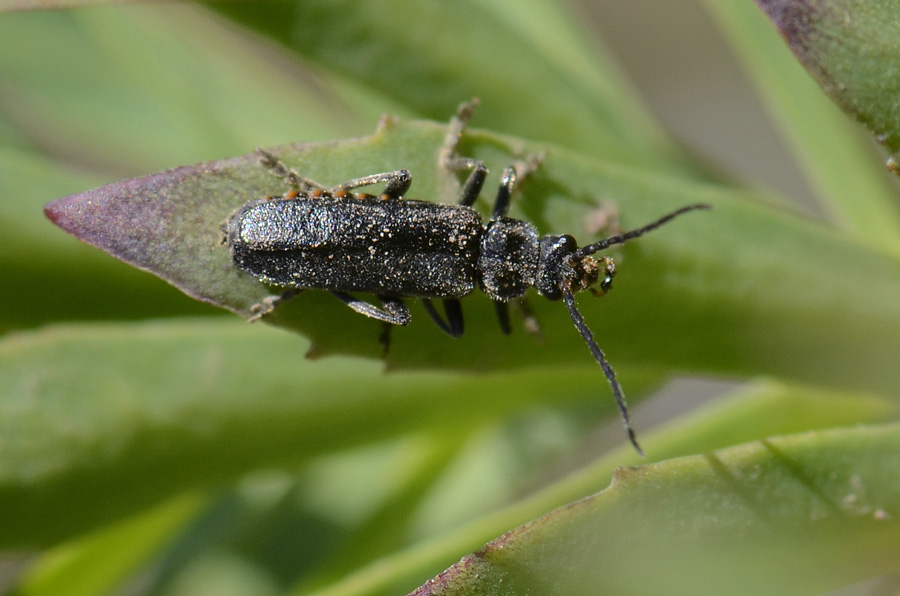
(622, 238)
(600, 357)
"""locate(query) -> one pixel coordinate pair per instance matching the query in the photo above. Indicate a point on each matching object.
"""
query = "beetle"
(395, 248)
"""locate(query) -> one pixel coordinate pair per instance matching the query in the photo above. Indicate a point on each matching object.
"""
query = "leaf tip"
(51, 211)
(64, 213)
(795, 19)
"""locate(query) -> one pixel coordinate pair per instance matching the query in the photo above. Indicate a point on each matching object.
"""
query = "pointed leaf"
(701, 293)
(852, 48)
(837, 158)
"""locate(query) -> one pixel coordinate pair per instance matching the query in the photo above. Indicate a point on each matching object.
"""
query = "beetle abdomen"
(365, 244)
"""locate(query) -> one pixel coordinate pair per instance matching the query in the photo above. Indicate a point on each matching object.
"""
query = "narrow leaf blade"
(851, 47)
(839, 162)
(759, 518)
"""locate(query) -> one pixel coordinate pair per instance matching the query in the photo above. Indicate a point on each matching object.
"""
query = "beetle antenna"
(622, 238)
(582, 327)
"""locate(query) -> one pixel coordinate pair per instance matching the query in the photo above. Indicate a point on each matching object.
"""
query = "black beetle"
(330, 239)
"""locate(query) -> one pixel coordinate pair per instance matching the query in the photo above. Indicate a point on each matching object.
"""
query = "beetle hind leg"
(270, 303)
(396, 182)
(289, 175)
(393, 310)
(450, 159)
(454, 323)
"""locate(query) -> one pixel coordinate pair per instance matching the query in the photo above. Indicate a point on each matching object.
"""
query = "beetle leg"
(393, 310)
(507, 186)
(529, 321)
(453, 325)
(384, 338)
(270, 303)
(474, 183)
(502, 309)
(528, 166)
(450, 159)
(512, 176)
(398, 183)
(290, 176)
(453, 310)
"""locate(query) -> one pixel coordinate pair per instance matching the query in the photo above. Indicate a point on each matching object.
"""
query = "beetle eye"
(606, 284)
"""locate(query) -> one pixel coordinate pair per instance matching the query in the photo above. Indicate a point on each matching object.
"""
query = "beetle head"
(564, 266)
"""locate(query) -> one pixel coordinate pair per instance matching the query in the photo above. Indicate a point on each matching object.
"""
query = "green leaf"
(99, 421)
(17, 5)
(753, 413)
(99, 562)
(694, 286)
(798, 514)
(851, 47)
(529, 62)
(39, 266)
(838, 161)
(142, 87)
(117, 92)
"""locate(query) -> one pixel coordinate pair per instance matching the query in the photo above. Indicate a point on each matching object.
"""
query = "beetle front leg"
(384, 338)
(511, 178)
(529, 321)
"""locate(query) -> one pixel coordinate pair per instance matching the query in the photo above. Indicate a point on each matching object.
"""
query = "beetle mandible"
(333, 240)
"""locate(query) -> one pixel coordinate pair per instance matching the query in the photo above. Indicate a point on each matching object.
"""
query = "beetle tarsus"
(270, 303)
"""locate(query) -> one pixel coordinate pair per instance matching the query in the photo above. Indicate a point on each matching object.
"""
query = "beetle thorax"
(509, 259)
